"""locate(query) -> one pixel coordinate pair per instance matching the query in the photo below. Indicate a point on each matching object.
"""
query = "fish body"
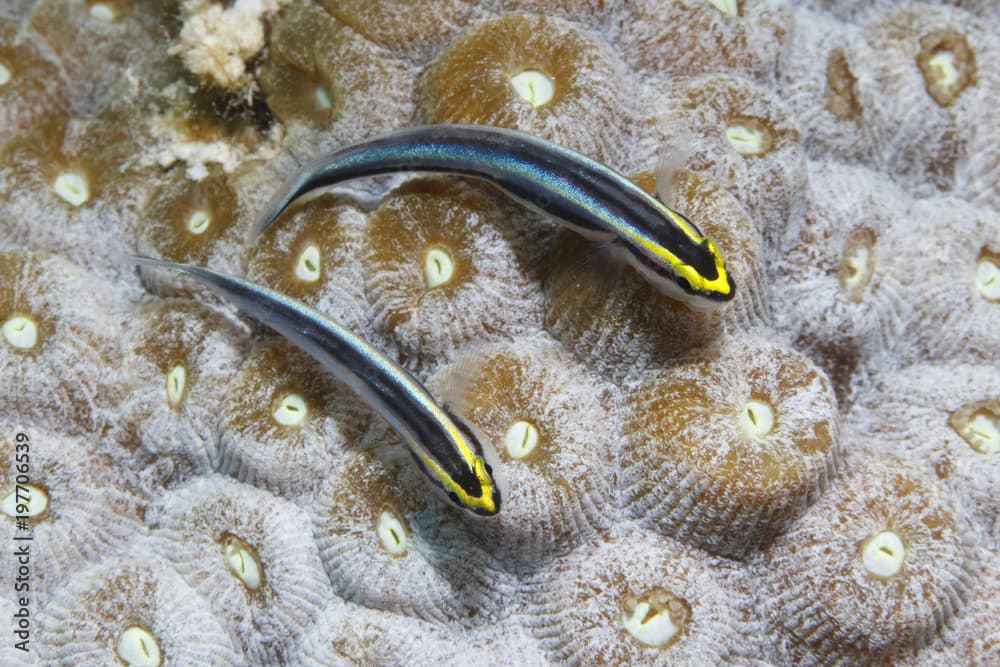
(583, 194)
(445, 447)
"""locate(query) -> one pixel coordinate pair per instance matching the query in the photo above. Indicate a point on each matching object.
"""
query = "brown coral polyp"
(841, 87)
(314, 254)
(947, 63)
(186, 218)
(31, 88)
(410, 27)
(285, 420)
(181, 358)
(726, 450)
(536, 74)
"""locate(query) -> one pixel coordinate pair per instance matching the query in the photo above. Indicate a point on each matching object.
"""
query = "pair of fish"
(586, 196)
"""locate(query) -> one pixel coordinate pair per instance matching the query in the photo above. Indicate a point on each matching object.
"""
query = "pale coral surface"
(808, 475)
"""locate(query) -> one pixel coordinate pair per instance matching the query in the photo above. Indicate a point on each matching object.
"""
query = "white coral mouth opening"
(137, 647)
(534, 87)
(20, 332)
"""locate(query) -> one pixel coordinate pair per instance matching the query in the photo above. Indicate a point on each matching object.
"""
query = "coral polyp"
(948, 419)
(726, 450)
(133, 610)
(633, 599)
(180, 361)
(322, 76)
(78, 507)
(536, 74)
(59, 338)
(732, 35)
(415, 28)
(30, 86)
(314, 254)
(894, 553)
(533, 404)
(190, 221)
(386, 544)
(250, 555)
(443, 270)
(284, 421)
(744, 137)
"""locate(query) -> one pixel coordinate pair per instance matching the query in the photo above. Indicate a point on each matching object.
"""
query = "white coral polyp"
(307, 266)
(883, 554)
(199, 222)
(291, 411)
(137, 647)
(242, 562)
(103, 12)
(521, 439)
(439, 267)
(33, 500)
(324, 97)
(757, 419)
(392, 533)
(72, 188)
(942, 64)
(727, 7)
(649, 626)
(20, 332)
(534, 87)
(983, 433)
(988, 279)
(176, 383)
(745, 140)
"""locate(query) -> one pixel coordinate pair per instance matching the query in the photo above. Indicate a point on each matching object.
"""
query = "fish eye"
(684, 284)
(454, 497)
(489, 469)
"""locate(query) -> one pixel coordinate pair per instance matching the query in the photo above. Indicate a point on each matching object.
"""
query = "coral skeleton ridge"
(808, 475)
